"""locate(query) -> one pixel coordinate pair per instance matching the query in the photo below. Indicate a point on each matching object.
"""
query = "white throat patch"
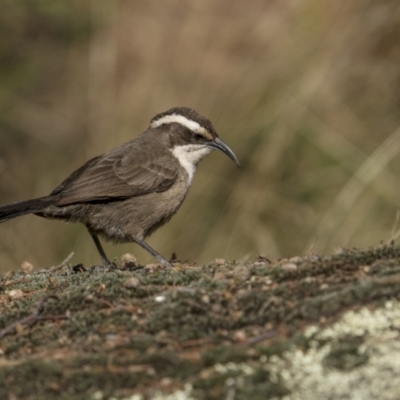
(189, 156)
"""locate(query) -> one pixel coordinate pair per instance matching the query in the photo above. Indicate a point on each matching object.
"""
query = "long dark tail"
(14, 210)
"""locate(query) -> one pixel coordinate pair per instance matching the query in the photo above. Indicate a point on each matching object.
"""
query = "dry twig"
(56, 267)
(261, 338)
(33, 318)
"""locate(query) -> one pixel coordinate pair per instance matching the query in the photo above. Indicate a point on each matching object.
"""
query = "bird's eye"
(197, 137)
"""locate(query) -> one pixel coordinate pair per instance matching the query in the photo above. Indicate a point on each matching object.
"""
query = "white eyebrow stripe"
(179, 119)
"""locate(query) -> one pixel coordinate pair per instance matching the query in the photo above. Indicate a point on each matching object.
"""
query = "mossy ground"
(206, 332)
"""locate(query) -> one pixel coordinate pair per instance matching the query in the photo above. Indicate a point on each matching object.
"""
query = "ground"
(300, 328)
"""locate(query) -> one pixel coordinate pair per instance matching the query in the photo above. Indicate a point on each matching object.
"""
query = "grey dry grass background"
(307, 93)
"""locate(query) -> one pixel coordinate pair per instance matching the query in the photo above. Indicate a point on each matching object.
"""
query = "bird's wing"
(116, 177)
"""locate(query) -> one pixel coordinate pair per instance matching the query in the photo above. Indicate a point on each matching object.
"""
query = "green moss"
(259, 386)
(142, 342)
(346, 354)
(223, 355)
(181, 324)
(187, 317)
(33, 378)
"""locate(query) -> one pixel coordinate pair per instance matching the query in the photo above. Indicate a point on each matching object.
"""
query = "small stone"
(166, 381)
(219, 276)
(219, 261)
(15, 294)
(338, 250)
(241, 272)
(324, 286)
(205, 299)
(128, 259)
(295, 259)
(289, 267)
(19, 328)
(101, 287)
(240, 336)
(217, 308)
(160, 299)
(259, 263)
(205, 374)
(27, 267)
(132, 283)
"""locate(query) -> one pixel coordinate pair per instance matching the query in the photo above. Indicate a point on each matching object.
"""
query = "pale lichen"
(307, 376)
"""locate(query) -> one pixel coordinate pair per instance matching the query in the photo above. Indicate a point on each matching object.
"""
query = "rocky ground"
(301, 328)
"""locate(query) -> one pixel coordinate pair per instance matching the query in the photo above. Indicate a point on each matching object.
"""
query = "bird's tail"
(14, 210)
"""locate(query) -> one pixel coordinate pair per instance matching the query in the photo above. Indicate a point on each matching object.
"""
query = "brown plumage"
(126, 194)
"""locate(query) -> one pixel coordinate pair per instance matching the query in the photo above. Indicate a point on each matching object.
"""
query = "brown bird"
(127, 193)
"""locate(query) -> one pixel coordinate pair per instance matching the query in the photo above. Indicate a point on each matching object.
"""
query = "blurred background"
(306, 92)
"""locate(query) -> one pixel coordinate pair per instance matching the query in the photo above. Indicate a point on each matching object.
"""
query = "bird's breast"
(165, 205)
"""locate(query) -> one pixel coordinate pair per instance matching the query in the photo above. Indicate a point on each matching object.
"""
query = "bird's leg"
(156, 255)
(99, 248)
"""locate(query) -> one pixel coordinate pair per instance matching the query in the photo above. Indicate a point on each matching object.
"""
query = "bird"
(127, 193)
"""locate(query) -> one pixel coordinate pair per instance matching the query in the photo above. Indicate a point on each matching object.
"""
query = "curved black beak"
(218, 144)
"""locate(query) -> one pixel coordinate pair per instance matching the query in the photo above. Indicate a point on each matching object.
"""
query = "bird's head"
(192, 136)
